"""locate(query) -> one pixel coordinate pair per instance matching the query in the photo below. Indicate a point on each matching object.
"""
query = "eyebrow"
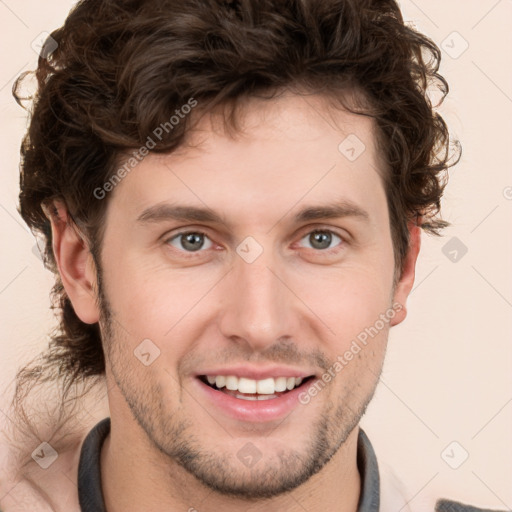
(165, 211)
(168, 211)
(331, 211)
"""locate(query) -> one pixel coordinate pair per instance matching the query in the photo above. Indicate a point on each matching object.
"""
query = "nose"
(259, 309)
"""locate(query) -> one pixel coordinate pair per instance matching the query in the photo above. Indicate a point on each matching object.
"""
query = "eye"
(191, 241)
(322, 239)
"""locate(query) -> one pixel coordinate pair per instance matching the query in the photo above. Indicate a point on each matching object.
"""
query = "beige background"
(448, 374)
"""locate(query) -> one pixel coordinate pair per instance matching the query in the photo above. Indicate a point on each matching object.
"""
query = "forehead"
(289, 150)
(311, 120)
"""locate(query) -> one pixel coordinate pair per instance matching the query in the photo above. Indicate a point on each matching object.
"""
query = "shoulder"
(444, 505)
(396, 496)
(40, 488)
(40, 477)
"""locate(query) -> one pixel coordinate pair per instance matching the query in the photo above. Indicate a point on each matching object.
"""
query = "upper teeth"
(264, 387)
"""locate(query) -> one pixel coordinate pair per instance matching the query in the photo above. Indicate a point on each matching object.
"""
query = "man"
(231, 195)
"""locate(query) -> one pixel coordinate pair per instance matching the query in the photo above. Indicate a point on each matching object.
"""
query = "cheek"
(358, 311)
(150, 301)
(349, 300)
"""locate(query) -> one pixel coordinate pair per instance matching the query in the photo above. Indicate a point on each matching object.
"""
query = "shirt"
(90, 494)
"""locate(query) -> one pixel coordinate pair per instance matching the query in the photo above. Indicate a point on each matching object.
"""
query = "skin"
(296, 305)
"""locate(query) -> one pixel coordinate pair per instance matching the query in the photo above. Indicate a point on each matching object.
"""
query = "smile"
(251, 389)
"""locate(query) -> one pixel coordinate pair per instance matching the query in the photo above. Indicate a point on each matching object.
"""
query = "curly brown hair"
(123, 67)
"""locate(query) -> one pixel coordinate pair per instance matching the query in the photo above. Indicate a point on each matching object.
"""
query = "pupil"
(193, 241)
(320, 240)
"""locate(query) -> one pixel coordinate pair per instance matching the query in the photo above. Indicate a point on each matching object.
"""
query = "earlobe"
(75, 263)
(405, 283)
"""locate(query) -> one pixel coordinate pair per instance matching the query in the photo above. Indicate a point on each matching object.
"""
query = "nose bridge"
(259, 308)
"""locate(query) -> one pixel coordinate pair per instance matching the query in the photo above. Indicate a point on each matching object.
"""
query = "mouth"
(254, 390)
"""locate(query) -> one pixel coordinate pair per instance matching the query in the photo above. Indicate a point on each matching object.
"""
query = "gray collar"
(369, 500)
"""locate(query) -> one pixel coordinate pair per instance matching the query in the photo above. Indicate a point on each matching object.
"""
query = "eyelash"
(192, 254)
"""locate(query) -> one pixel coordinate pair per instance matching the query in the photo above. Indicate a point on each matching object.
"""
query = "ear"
(75, 263)
(404, 285)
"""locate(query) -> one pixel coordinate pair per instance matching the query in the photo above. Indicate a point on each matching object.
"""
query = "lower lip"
(254, 411)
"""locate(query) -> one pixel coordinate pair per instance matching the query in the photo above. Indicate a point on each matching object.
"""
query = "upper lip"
(257, 373)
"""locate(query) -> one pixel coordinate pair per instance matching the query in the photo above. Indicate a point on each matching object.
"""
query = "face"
(257, 263)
